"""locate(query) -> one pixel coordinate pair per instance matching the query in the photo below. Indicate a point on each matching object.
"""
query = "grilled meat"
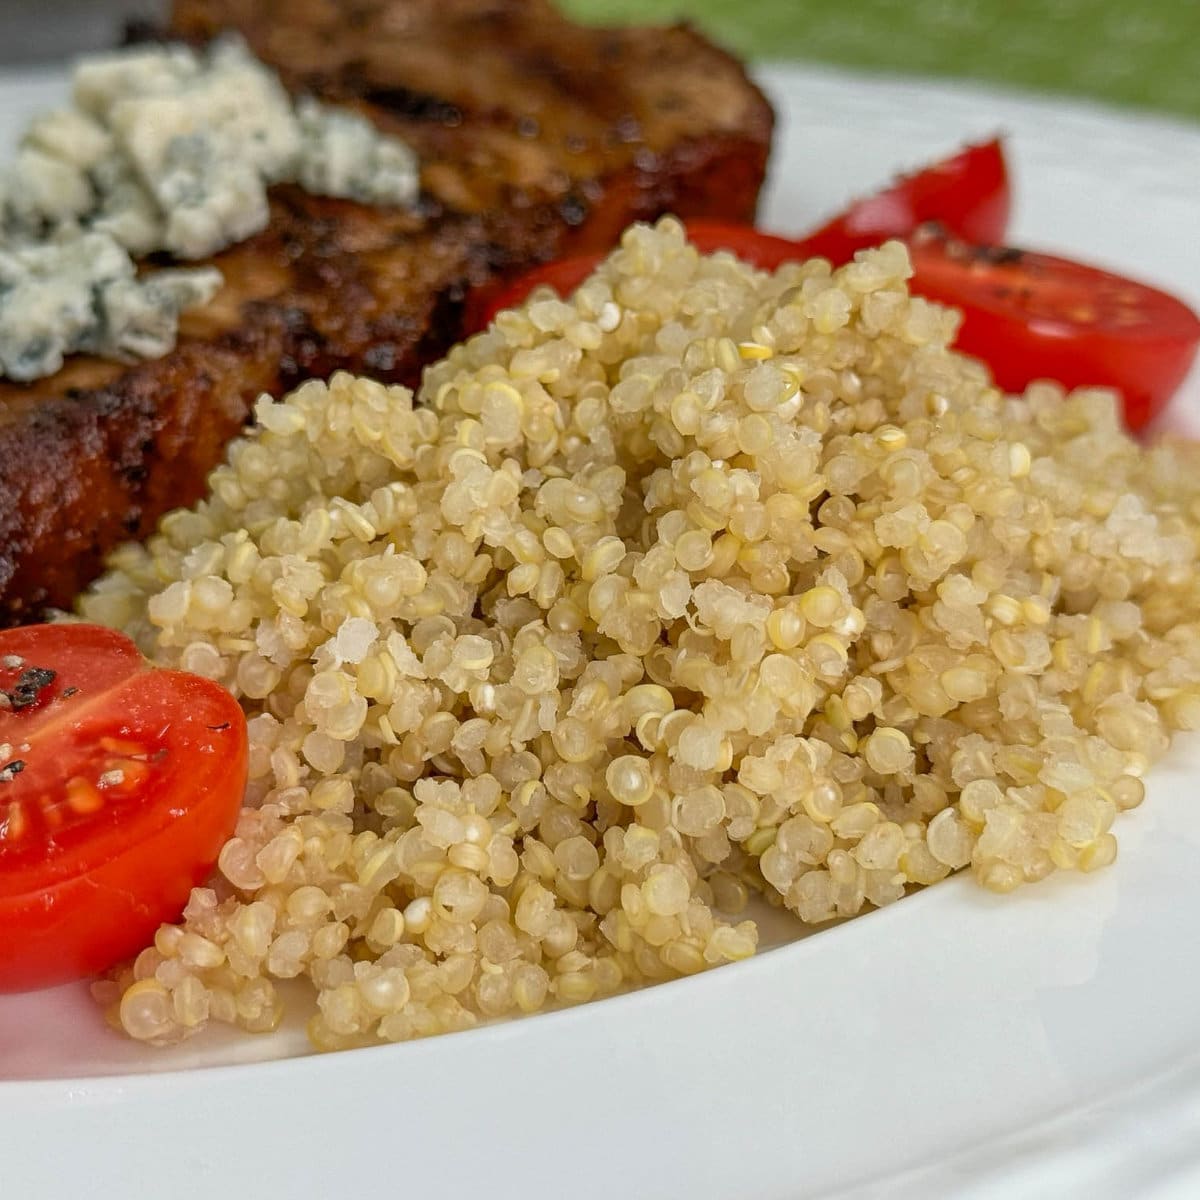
(537, 137)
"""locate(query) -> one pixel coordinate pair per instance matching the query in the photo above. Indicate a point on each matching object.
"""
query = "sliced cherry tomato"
(764, 250)
(1028, 316)
(1031, 316)
(967, 194)
(767, 251)
(564, 275)
(119, 784)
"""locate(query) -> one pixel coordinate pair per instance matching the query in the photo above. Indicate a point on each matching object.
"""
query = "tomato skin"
(86, 657)
(80, 896)
(967, 194)
(1021, 312)
(1034, 316)
(85, 924)
(764, 250)
(564, 275)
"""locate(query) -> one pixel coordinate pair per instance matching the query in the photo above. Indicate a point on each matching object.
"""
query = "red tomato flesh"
(1033, 316)
(119, 784)
(1028, 316)
(968, 194)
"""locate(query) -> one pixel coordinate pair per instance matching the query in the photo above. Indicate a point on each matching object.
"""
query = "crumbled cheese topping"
(164, 149)
(80, 293)
(204, 134)
(343, 154)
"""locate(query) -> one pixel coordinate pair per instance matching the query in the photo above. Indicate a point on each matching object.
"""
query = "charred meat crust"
(551, 141)
(89, 470)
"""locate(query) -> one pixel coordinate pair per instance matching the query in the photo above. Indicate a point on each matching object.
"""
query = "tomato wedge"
(1028, 316)
(1033, 316)
(967, 194)
(119, 784)
(564, 275)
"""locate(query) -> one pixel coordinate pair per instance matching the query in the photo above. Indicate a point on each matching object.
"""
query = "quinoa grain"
(703, 582)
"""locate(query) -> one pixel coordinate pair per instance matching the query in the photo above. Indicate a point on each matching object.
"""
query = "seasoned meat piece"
(537, 137)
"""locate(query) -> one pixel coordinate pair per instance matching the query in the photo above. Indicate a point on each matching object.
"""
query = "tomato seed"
(122, 746)
(124, 774)
(83, 797)
(15, 824)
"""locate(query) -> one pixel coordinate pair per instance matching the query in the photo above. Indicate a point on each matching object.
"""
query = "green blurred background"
(1138, 52)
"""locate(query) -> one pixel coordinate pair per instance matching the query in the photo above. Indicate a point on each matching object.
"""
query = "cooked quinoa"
(706, 582)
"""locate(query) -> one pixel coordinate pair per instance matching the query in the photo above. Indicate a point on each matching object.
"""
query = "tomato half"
(764, 250)
(564, 275)
(967, 194)
(1032, 316)
(119, 784)
(1028, 316)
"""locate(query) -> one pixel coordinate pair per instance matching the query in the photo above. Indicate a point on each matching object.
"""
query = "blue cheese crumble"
(343, 154)
(205, 135)
(164, 149)
(79, 293)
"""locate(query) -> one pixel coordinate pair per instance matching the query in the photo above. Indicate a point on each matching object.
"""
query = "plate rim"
(115, 1087)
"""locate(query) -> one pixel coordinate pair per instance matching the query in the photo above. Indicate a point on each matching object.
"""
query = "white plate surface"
(956, 1044)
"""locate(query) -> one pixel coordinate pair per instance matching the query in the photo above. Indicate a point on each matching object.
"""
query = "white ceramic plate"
(956, 1044)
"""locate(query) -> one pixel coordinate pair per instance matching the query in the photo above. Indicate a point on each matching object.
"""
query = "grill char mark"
(537, 137)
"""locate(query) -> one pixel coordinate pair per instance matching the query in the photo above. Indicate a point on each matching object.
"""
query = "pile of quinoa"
(704, 583)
